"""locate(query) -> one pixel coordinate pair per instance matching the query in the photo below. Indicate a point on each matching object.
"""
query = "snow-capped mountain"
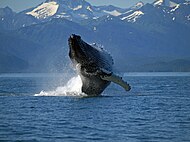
(73, 10)
(169, 10)
(168, 3)
(181, 13)
(80, 11)
(161, 2)
(138, 5)
(44, 10)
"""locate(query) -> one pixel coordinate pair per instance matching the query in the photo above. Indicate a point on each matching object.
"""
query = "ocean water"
(51, 108)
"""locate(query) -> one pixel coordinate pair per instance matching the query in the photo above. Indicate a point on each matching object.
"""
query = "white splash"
(72, 88)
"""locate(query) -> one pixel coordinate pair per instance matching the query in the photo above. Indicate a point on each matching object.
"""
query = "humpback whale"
(94, 66)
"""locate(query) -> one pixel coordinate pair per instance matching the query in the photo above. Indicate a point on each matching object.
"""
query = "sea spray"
(72, 88)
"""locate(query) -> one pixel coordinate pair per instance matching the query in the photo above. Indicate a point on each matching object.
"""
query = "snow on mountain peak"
(161, 2)
(158, 2)
(169, 3)
(138, 5)
(45, 10)
(78, 7)
(69, 9)
(114, 12)
(175, 8)
(133, 17)
(89, 8)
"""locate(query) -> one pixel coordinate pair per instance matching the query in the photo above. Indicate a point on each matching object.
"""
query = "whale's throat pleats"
(97, 56)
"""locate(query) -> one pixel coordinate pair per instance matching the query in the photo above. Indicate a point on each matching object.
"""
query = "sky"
(19, 5)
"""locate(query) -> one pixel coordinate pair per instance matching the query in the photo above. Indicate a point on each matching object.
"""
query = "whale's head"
(81, 53)
(76, 49)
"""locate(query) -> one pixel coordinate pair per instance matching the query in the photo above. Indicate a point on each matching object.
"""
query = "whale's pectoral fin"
(116, 79)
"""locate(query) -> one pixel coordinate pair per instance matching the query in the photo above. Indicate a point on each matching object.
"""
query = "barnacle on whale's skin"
(94, 65)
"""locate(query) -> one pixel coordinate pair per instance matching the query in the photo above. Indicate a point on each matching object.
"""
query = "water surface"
(156, 109)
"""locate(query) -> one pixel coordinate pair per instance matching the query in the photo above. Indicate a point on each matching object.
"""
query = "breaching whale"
(94, 66)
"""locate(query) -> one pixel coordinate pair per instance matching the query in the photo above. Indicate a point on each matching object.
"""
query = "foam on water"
(72, 88)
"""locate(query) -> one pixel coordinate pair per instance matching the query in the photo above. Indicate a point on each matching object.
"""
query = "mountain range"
(144, 37)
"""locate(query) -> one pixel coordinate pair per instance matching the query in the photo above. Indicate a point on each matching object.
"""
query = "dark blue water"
(156, 109)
